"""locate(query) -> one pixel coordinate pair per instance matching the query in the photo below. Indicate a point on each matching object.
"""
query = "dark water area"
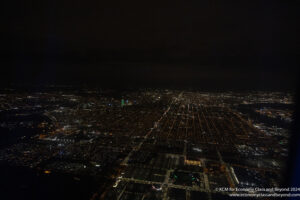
(28, 184)
(19, 124)
(12, 136)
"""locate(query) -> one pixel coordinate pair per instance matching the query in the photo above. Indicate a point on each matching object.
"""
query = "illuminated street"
(188, 144)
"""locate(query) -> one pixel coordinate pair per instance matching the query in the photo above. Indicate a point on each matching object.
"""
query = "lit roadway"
(179, 117)
(125, 161)
(188, 119)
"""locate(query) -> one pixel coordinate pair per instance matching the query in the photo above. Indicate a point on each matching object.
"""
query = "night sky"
(202, 44)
